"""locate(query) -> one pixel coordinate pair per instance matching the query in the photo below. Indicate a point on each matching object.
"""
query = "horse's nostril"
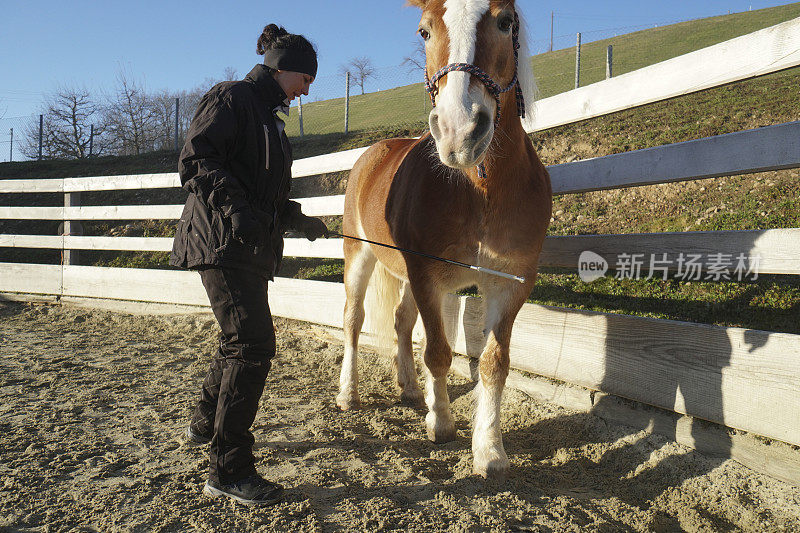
(434, 124)
(482, 124)
(484, 121)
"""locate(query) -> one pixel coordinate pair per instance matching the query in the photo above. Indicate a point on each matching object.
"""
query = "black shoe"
(253, 490)
(194, 439)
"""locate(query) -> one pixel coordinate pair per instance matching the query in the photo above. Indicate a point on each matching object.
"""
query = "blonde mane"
(525, 73)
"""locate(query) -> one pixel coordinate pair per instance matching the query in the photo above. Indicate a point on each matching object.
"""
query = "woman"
(236, 164)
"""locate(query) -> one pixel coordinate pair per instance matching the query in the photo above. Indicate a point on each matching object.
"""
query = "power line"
(16, 91)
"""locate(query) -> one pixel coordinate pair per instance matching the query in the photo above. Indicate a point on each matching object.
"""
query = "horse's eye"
(505, 24)
(424, 34)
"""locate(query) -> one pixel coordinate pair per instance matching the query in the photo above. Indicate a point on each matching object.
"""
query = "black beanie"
(293, 60)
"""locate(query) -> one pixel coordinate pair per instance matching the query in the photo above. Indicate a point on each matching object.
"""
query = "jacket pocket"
(180, 243)
(221, 232)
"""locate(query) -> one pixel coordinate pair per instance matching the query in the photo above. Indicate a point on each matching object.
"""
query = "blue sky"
(177, 44)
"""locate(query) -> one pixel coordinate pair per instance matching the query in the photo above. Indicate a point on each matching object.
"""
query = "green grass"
(554, 71)
(771, 303)
(148, 163)
(315, 269)
(398, 107)
(167, 160)
(133, 260)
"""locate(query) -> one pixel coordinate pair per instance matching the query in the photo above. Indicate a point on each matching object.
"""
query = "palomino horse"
(474, 191)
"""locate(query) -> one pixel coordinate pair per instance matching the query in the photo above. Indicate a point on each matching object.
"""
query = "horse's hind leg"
(405, 316)
(358, 269)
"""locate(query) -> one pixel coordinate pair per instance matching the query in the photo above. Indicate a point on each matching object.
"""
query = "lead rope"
(491, 85)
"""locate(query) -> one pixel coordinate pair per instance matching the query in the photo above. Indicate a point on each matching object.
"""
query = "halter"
(491, 86)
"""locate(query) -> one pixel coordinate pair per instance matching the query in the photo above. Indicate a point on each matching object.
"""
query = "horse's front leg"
(502, 304)
(437, 356)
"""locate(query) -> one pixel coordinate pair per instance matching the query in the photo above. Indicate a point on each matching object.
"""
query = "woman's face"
(293, 83)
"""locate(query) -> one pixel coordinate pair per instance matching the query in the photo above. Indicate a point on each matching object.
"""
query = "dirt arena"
(92, 405)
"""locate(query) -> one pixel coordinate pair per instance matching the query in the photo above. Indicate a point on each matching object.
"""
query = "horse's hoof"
(441, 432)
(442, 436)
(413, 397)
(492, 464)
(348, 402)
(496, 471)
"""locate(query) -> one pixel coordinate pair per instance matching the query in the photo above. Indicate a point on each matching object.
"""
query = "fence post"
(578, 62)
(91, 140)
(177, 109)
(11, 150)
(609, 62)
(71, 199)
(41, 127)
(346, 102)
(300, 110)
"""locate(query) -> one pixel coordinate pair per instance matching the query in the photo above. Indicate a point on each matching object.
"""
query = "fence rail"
(778, 251)
(769, 50)
(745, 379)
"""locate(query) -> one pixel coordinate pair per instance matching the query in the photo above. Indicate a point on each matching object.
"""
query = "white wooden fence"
(743, 379)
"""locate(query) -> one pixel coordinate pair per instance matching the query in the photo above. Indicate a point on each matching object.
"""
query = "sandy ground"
(92, 404)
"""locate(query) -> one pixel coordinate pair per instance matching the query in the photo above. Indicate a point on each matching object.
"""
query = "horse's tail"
(382, 301)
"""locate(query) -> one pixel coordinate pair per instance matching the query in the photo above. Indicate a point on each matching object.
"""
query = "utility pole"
(91, 140)
(609, 62)
(346, 102)
(177, 114)
(11, 150)
(578, 62)
(552, 16)
(41, 127)
(300, 109)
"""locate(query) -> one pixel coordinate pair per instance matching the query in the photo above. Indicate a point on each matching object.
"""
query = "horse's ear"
(419, 3)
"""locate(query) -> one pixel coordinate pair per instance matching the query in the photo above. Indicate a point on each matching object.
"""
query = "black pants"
(235, 380)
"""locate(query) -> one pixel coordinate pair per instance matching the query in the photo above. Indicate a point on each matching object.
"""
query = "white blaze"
(461, 18)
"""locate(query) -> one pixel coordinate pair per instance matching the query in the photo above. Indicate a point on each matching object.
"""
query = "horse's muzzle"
(461, 143)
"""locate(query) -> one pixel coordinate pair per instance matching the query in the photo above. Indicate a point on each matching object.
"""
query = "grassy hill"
(555, 71)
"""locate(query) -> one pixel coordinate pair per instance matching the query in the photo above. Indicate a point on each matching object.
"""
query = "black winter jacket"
(234, 157)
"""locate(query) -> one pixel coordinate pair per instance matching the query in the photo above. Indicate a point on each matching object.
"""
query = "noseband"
(491, 86)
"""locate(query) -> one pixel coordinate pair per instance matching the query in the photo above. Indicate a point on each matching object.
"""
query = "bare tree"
(360, 69)
(229, 74)
(163, 110)
(68, 117)
(415, 61)
(129, 116)
(191, 99)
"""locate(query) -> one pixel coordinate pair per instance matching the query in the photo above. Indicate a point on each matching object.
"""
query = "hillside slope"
(555, 71)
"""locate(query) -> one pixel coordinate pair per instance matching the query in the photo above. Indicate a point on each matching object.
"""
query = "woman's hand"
(312, 227)
(245, 228)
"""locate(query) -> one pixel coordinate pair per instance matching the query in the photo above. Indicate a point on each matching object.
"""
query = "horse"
(471, 190)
